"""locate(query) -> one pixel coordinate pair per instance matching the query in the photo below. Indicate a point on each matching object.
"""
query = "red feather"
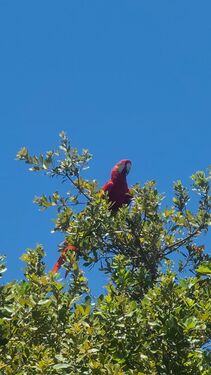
(62, 257)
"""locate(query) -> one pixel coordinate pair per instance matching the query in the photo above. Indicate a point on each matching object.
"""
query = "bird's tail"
(62, 258)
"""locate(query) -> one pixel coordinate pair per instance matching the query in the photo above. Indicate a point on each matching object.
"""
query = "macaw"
(118, 194)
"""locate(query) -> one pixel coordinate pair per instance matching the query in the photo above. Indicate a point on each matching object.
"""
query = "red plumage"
(62, 257)
(118, 194)
(117, 187)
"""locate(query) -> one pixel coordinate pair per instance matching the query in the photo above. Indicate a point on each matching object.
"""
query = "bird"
(116, 187)
(118, 195)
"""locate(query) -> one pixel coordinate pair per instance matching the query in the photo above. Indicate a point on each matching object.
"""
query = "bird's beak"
(128, 166)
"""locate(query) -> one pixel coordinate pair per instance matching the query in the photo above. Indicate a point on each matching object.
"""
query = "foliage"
(151, 320)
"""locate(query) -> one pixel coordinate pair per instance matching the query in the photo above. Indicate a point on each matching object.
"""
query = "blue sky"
(125, 79)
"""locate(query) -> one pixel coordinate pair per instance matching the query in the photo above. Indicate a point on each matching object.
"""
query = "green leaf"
(61, 366)
(205, 270)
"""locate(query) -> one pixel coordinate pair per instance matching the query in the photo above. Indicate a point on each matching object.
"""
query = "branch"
(182, 241)
(78, 187)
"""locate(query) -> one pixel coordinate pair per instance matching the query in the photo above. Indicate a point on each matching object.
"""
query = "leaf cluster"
(49, 328)
(151, 320)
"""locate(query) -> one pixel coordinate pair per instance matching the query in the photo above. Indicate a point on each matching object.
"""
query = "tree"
(151, 320)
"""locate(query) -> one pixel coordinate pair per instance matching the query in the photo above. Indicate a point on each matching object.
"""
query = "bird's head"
(122, 168)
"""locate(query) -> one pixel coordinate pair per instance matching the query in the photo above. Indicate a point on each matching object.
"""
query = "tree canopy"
(155, 315)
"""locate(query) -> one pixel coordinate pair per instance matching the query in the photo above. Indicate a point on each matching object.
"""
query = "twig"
(181, 242)
(78, 187)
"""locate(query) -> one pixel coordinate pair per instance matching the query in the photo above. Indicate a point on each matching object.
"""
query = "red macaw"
(118, 194)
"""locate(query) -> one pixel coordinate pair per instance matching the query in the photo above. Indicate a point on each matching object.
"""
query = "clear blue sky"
(125, 79)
